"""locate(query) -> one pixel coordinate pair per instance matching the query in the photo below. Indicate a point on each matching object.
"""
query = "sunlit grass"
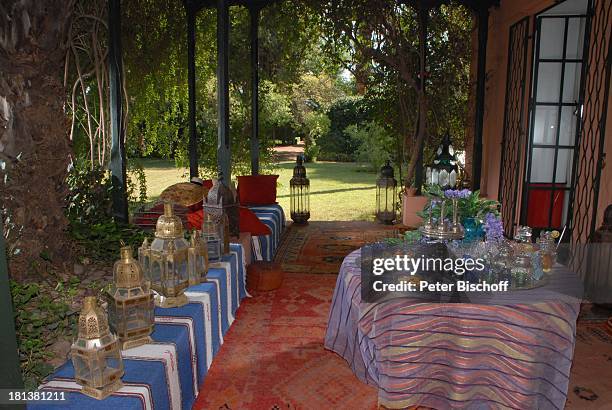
(338, 191)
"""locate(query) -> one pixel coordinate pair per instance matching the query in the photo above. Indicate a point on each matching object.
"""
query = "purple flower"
(457, 193)
(493, 227)
(464, 193)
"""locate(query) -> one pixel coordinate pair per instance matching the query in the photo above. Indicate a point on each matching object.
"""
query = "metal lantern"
(166, 261)
(444, 170)
(300, 193)
(130, 302)
(221, 201)
(211, 236)
(96, 357)
(385, 195)
(198, 259)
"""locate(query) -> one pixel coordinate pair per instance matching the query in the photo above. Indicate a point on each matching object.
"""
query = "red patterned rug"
(273, 357)
(320, 246)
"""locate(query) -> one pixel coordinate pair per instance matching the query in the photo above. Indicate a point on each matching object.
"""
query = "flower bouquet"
(479, 216)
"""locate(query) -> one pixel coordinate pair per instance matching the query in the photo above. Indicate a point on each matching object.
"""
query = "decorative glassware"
(211, 234)
(472, 229)
(130, 302)
(385, 195)
(198, 259)
(547, 250)
(165, 262)
(444, 170)
(300, 193)
(96, 357)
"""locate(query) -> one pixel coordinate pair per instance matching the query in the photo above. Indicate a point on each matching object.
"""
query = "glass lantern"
(220, 203)
(96, 357)
(130, 302)
(385, 195)
(166, 261)
(211, 236)
(444, 170)
(300, 193)
(198, 259)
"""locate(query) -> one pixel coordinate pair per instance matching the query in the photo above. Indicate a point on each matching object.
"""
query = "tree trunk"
(34, 144)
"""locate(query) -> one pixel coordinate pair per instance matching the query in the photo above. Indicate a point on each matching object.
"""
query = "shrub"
(375, 144)
(336, 145)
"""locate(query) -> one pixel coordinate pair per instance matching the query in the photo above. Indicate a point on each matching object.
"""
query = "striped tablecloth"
(264, 247)
(461, 355)
(167, 374)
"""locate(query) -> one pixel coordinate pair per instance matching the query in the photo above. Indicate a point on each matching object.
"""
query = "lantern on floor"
(198, 259)
(444, 170)
(165, 262)
(212, 238)
(221, 205)
(130, 302)
(386, 186)
(300, 193)
(96, 357)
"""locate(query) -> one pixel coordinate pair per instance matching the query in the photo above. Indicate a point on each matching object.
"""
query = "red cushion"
(195, 219)
(249, 222)
(207, 183)
(257, 189)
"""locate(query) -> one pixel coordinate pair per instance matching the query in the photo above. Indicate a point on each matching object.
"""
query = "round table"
(454, 355)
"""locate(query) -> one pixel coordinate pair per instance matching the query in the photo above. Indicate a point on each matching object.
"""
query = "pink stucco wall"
(501, 19)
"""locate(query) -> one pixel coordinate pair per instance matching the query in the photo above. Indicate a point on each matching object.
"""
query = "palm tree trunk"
(34, 145)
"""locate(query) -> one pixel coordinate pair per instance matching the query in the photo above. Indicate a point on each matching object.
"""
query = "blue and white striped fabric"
(264, 246)
(167, 373)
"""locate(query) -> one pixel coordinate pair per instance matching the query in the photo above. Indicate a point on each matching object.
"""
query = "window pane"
(575, 38)
(551, 37)
(571, 82)
(567, 132)
(565, 159)
(549, 79)
(545, 125)
(542, 160)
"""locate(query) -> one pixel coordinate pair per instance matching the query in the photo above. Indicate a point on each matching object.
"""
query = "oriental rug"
(273, 356)
(320, 246)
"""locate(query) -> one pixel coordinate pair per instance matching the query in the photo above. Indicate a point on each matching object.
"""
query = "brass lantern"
(220, 203)
(96, 357)
(198, 259)
(166, 261)
(211, 236)
(130, 302)
(444, 170)
(300, 193)
(385, 195)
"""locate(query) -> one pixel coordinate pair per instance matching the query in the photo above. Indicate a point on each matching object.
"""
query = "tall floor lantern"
(386, 186)
(300, 193)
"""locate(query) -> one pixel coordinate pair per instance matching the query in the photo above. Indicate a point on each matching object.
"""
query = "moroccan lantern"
(385, 195)
(221, 205)
(300, 193)
(211, 236)
(166, 261)
(444, 170)
(130, 302)
(198, 259)
(96, 357)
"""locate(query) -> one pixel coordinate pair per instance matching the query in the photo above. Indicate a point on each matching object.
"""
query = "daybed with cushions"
(260, 215)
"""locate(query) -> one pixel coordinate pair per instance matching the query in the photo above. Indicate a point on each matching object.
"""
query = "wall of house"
(501, 18)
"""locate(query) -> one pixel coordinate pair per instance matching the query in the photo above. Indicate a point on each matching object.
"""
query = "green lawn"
(338, 191)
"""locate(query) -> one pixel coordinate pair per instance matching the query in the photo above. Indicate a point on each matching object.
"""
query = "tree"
(34, 145)
(379, 41)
